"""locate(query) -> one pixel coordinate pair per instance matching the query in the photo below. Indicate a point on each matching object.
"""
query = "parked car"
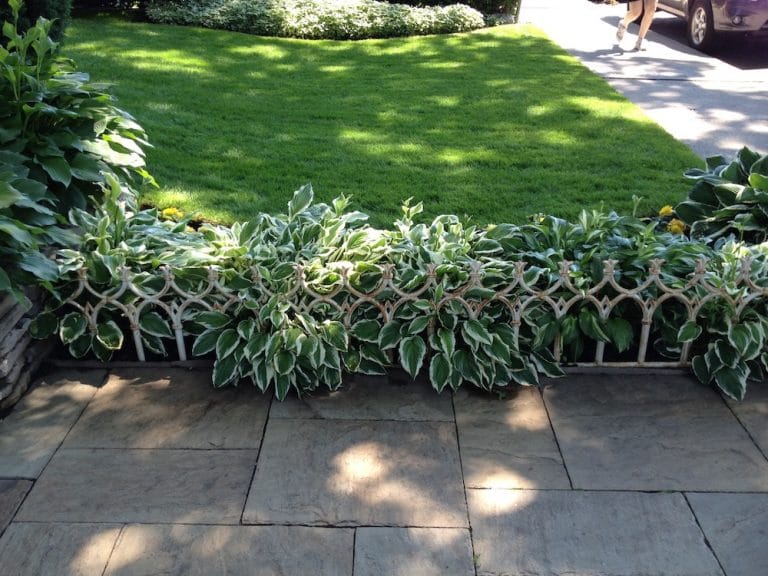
(708, 19)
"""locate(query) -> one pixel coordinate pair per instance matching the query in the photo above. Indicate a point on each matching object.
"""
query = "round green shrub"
(318, 19)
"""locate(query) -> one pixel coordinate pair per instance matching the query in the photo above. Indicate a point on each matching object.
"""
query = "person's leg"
(635, 9)
(645, 23)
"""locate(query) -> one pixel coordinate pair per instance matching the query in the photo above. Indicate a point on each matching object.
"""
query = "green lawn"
(495, 125)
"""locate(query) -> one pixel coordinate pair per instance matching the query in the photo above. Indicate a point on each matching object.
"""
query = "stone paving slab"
(39, 422)
(413, 551)
(12, 493)
(182, 486)
(753, 413)
(507, 443)
(42, 549)
(171, 408)
(347, 473)
(736, 526)
(542, 533)
(147, 550)
(370, 398)
(648, 432)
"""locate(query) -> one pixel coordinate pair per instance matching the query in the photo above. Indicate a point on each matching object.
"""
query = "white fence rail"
(560, 296)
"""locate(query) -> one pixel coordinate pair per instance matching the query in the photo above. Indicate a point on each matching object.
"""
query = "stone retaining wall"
(20, 355)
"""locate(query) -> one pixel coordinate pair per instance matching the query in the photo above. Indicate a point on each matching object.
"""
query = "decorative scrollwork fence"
(560, 296)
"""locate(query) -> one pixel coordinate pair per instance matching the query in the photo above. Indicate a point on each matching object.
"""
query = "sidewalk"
(147, 471)
(710, 105)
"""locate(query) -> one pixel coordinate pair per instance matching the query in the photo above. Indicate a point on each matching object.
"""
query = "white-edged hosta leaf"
(440, 372)
(689, 332)
(335, 334)
(370, 368)
(225, 371)
(620, 331)
(464, 363)
(256, 346)
(154, 324)
(412, 352)
(732, 381)
(727, 354)
(80, 346)
(212, 319)
(245, 328)
(301, 200)
(263, 373)
(44, 325)
(418, 325)
(227, 343)
(389, 337)
(154, 344)
(284, 362)
(109, 335)
(474, 331)
(72, 326)
(205, 343)
(282, 386)
(700, 369)
(498, 350)
(366, 330)
(447, 341)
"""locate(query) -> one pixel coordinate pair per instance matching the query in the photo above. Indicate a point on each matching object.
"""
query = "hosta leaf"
(526, 377)
(205, 343)
(466, 365)
(373, 353)
(57, 168)
(620, 331)
(80, 346)
(213, 319)
(332, 378)
(332, 358)
(474, 331)
(282, 386)
(335, 335)
(507, 334)
(284, 362)
(109, 335)
(85, 167)
(301, 200)
(308, 347)
(256, 346)
(153, 344)
(700, 369)
(389, 337)
(225, 371)
(8, 195)
(366, 330)
(732, 381)
(727, 354)
(227, 343)
(101, 352)
(739, 336)
(418, 325)
(153, 323)
(498, 350)
(591, 325)
(351, 360)
(412, 352)
(262, 374)
(545, 363)
(44, 325)
(370, 368)
(440, 372)
(689, 332)
(72, 326)
(447, 341)
(37, 264)
(245, 328)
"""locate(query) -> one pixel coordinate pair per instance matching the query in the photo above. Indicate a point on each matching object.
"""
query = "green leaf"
(154, 324)
(85, 167)
(412, 352)
(732, 381)
(335, 335)
(620, 331)
(245, 329)
(739, 336)
(700, 369)
(727, 354)
(466, 365)
(44, 325)
(447, 341)
(225, 371)
(8, 195)
(418, 325)
(475, 333)
(498, 350)
(38, 265)
(153, 344)
(213, 319)
(591, 325)
(263, 373)
(57, 168)
(389, 337)
(72, 326)
(227, 343)
(302, 199)
(103, 353)
(440, 372)
(80, 346)
(370, 368)
(205, 343)
(689, 332)
(284, 362)
(282, 386)
(109, 335)
(373, 353)
(366, 330)
(546, 364)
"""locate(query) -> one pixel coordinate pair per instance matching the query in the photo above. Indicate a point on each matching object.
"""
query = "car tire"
(700, 26)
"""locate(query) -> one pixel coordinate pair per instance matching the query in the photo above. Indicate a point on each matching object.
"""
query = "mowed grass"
(494, 125)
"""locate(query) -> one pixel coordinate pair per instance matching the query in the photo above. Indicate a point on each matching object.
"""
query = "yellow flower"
(676, 226)
(172, 214)
(666, 211)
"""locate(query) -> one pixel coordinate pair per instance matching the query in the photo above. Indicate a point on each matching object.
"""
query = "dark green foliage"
(63, 141)
(57, 11)
(484, 6)
(729, 198)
